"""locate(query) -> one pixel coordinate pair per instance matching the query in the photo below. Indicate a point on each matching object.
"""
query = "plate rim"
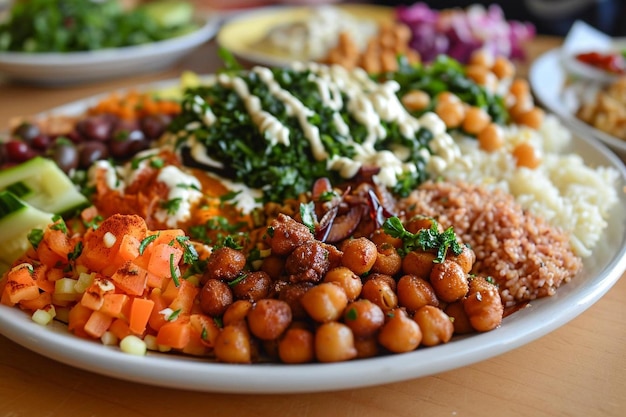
(202, 374)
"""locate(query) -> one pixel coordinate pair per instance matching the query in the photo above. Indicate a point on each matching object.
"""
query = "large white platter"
(547, 79)
(62, 69)
(601, 272)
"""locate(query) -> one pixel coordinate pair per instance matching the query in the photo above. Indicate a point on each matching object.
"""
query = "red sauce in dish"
(609, 62)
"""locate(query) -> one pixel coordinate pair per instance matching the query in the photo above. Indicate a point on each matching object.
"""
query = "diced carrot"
(49, 257)
(97, 324)
(140, 311)
(206, 327)
(89, 214)
(129, 248)
(195, 346)
(162, 258)
(156, 318)
(131, 279)
(185, 298)
(119, 327)
(21, 285)
(155, 281)
(175, 334)
(170, 292)
(40, 273)
(102, 244)
(93, 297)
(77, 317)
(58, 241)
(167, 237)
(113, 304)
(43, 300)
(55, 274)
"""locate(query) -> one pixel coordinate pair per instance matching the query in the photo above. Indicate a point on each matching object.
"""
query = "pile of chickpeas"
(314, 302)
(490, 72)
(381, 52)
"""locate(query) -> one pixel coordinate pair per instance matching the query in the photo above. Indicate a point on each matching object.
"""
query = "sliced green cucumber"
(169, 13)
(43, 185)
(17, 219)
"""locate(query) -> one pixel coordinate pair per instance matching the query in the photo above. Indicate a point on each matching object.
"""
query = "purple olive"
(90, 152)
(154, 125)
(98, 127)
(17, 150)
(27, 131)
(127, 139)
(65, 154)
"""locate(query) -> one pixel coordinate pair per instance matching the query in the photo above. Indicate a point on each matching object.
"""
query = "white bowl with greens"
(55, 48)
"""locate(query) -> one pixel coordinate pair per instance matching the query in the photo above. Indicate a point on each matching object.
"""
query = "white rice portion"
(566, 192)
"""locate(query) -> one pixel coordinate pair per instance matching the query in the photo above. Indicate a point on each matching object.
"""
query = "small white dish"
(548, 79)
(61, 69)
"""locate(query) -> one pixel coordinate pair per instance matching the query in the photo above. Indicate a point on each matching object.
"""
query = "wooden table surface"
(577, 370)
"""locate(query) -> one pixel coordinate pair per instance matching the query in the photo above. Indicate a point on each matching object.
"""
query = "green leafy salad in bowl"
(40, 26)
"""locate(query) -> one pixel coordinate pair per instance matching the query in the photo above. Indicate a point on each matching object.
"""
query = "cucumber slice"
(169, 13)
(17, 219)
(43, 185)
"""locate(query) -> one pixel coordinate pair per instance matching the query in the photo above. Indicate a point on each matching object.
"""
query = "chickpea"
(418, 263)
(388, 61)
(346, 279)
(363, 317)
(233, 345)
(503, 67)
(269, 318)
(388, 261)
(325, 302)
(236, 312)
(366, 347)
(465, 259)
(478, 73)
(476, 119)
(419, 222)
(460, 321)
(451, 113)
(381, 292)
(483, 305)
(532, 118)
(225, 263)
(521, 106)
(448, 97)
(274, 266)
(491, 138)
(482, 57)
(526, 155)
(379, 237)
(449, 281)
(292, 295)
(520, 88)
(415, 292)
(359, 255)
(435, 325)
(399, 333)
(215, 297)
(286, 234)
(254, 286)
(297, 346)
(334, 342)
(416, 100)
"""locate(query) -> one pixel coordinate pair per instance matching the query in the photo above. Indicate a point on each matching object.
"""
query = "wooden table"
(577, 370)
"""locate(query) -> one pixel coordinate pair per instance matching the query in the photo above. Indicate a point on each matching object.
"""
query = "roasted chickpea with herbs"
(400, 333)
(380, 290)
(449, 281)
(359, 255)
(334, 342)
(363, 317)
(325, 302)
(435, 325)
(215, 297)
(297, 345)
(415, 292)
(225, 263)
(233, 344)
(346, 279)
(388, 260)
(269, 318)
(483, 305)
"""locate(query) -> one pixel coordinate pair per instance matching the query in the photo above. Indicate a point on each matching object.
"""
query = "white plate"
(80, 67)
(547, 79)
(242, 34)
(601, 271)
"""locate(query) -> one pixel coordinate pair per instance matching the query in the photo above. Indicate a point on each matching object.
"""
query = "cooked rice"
(527, 257)
(564, 190)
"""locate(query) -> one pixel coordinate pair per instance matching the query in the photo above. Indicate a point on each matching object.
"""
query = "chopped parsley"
(424, 239)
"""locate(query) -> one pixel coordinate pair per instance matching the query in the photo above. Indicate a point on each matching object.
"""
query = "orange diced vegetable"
(119, 327)
(77, 318)
(131, 279)
(113, 304)
(156, 318)
(206, 327)
(140, 311)
(185, 297)
(93, 297)
(40, 273)
(163, 258)
(58, 241)
(97, 324)
(129, 249)
(41, 302)
(175, 334)
(21, 285)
